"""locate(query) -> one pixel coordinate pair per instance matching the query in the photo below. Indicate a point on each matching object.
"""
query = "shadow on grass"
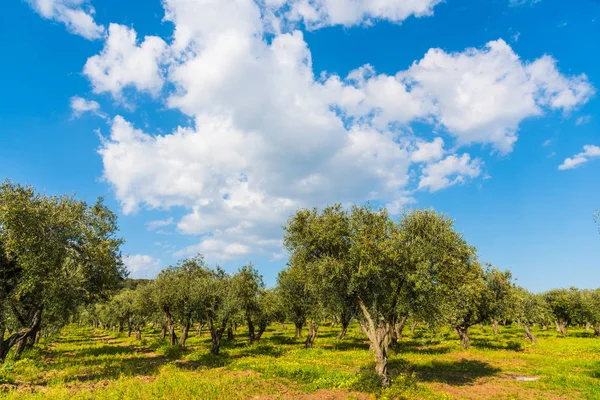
(494, 345)
(107, 350)
(456, 373)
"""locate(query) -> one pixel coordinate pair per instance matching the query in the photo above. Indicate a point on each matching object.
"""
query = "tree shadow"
(458, 373)
(106, 350)
(493, 345)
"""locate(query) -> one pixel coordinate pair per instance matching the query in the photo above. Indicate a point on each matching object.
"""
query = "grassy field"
(83, 363)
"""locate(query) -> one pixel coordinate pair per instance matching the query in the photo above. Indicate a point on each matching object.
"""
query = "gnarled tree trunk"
(463, 333)
(298, 329)
(199, 330)
(19, 338)
(597, 329)
(529, 335)
(312, 334)
(378, 336)
(171, 327)
(216, 334)
(184, 333)
(251, 334)
(495, 327)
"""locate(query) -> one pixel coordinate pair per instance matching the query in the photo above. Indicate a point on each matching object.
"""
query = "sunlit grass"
(83, 363)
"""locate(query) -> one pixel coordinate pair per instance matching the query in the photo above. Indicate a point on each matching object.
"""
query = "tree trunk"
(588, 326)
(463, 333)
(262, 327)
(20, 337)
(282, 326)
(562, 328)
(129, 329)
(200, 326)
(138, 334)
(251, 334)
(229, 333)
(184, 333)
(163, 332)
(312, 334)
(557, 326)
(379, 344)
(216, 334)
(298, 329)
(413, 327)
(529, 334)
(597, 329)
(342, 333)
(171, 327)
(495, 327)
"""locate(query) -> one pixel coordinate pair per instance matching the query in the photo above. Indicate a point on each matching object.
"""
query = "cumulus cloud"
(77, 15)
(589, 152)
(124, 63)
(268, 136)
(449, 171)
(141, 265)
(320, 13)
(80, 106)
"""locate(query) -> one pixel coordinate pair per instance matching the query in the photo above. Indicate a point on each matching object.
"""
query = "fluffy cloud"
(449, 171)
(77, 15)
(124, 63)
(80, 106)
(152, 225)
(589, 152)
(269, 137)
(319, 13)
(428, 151)
(141, 266)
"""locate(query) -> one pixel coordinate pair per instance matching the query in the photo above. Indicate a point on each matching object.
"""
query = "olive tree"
(57, 254)
(294, 297)
(382, 263)
(530, 309)
(177, 294)
(561, 302)
(247, 285)
(486, 296)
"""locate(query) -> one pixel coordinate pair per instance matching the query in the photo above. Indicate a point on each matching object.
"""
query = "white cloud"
(269, 137)
(319, 13)
(589, 152)
(481, 95)
(428, 151)
(80, 106)
(216, 249)
(123, 63)
(584, 119)
(77, 15)
(449, 171)
(152, 225)
(514, 3)
(141, 266)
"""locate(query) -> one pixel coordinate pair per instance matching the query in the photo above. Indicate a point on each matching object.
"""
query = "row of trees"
(346, 265)
(192, 294)
(60, 256)
(56, 253)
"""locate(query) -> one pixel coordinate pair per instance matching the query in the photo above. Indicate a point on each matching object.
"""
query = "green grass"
(83, 363)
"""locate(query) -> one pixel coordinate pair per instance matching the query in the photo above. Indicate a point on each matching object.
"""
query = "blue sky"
(205, 124)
